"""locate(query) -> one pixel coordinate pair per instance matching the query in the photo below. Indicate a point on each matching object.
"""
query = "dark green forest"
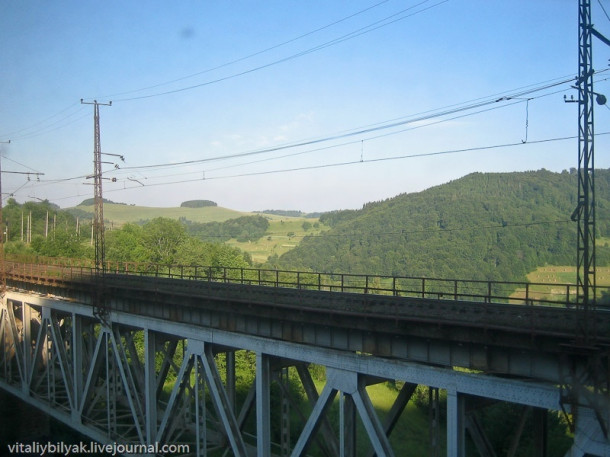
(291, 213)
(246, 228)
(197, 204)
(166, 242)
(42, 229)
(489, 226)
(482, 226)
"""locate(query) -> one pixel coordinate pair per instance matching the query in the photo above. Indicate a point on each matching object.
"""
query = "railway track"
(461, 319)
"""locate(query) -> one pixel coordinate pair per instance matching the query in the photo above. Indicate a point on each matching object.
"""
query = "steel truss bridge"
(138, 355)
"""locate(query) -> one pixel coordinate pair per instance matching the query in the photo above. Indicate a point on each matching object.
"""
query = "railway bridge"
(142, 357)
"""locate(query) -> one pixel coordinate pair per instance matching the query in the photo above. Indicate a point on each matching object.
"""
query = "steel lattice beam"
(585, 210)
(58, 356)
(98, 219)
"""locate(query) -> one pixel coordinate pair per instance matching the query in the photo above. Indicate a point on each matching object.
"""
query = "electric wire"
(18, 163)
(346, 163)
(423, 231)
(257, 53)
(400, 157)
(496, 96)
(398, 131)
(57, 125)
(362, 131)
(38, 122)
(507, 95)
(25, 133)
(367, 29)
(8, 195)
(44, 129)
(603, 9)
(326, 148)
(366, 139)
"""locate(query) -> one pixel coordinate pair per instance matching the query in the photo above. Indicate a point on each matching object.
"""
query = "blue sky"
(195, 82)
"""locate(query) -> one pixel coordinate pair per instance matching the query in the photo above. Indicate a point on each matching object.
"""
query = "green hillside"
(117, 214)
(497, 226)
(283, 233)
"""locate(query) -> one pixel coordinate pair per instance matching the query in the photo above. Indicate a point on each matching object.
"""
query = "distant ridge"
(197, 204)
(289, 213)
(119, 214)
(91, 202)
(487, 226)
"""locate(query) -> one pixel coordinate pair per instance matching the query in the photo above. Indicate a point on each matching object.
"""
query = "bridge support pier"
(347, 437)
(540, 432)
(455, 424)
(263, 405)
(589, 440)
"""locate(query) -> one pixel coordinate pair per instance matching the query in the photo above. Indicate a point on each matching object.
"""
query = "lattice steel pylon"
(585, 210)
(2, 265)
(98, 219)
(584, 213)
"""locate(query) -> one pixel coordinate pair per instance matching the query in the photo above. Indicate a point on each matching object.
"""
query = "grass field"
(277, 239)
(117, 215)
(601, 241)
(283, 234)
(556, 277)
(411, 435)
(553, 274)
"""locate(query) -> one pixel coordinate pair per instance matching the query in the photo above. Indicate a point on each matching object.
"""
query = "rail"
(541, 294)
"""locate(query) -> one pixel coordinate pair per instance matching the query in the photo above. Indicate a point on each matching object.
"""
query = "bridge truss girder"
(146, 381)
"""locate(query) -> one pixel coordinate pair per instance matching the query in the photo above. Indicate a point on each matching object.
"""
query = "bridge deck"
(560, 352)
(476, 335)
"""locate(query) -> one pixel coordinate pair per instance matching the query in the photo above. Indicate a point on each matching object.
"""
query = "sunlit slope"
(117, 214)
(496, 226)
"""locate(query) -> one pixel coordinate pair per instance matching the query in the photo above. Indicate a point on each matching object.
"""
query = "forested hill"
(482, 226)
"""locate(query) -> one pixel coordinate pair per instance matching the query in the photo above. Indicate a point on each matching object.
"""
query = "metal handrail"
(514, 292)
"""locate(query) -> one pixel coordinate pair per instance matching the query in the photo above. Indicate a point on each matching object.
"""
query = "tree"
(63, 244)
(487, 226)
(197, 204)
(162, 238)
(126, 245)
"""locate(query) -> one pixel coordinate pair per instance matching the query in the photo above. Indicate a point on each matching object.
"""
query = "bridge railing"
(555, 294)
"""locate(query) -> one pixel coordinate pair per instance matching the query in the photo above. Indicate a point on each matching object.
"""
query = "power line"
(12, 194)
(56, 125)
(367, 29)
(346, 163)
(257, 53)
(332, 165)
(38, 122)
(603, 9)
(18, 163)
(185, 163)
(400, 157)
(515, 94)
(392, 133)
(453, 109)
(43, 130)
(325, 148)
(119, 170)
(426, 231)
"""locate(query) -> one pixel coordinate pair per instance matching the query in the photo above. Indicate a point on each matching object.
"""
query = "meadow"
(117, 215)
(555, 278)
(283, 234)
